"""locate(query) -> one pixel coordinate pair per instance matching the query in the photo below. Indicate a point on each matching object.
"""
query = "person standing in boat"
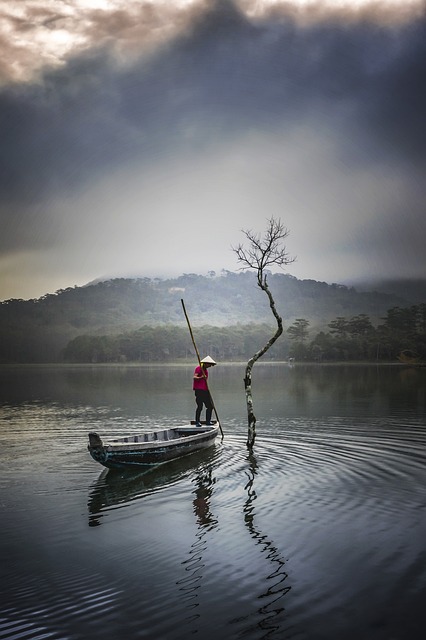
(202, 394)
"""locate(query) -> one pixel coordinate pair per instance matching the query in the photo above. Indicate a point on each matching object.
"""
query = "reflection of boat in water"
(115, 488)
(154, 447)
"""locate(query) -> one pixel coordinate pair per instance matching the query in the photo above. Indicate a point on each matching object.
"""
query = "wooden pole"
(199, 362)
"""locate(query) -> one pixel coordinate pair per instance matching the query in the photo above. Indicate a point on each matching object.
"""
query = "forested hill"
(38, 330)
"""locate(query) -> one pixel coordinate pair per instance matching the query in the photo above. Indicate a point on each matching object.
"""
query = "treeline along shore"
(141, 320)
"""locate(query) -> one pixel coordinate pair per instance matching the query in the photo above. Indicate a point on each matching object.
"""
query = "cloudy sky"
(139, 138)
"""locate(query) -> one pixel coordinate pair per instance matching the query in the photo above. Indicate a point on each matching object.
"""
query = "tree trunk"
(251, 435)
(260, 255)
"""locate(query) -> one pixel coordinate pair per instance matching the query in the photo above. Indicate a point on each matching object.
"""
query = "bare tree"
(261, 253)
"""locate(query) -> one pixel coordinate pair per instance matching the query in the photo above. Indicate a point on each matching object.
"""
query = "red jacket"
(200, 383)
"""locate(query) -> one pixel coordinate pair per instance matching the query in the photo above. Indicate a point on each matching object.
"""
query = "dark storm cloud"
(224, 75)
(396, 105)
(227, 74)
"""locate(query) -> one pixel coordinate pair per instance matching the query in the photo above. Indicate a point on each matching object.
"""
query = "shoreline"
(190, 363)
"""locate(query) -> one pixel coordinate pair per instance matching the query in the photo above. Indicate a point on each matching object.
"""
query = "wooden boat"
(154, 447)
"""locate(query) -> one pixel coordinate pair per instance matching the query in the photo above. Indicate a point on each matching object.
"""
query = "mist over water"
(319, 533)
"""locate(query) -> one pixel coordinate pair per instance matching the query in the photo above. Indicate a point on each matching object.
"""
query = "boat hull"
(151, 449)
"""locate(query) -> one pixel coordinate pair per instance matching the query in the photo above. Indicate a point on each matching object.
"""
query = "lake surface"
(319, 534)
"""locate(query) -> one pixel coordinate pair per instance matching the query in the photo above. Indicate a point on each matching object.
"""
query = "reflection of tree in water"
(191, 582)
(272, 606)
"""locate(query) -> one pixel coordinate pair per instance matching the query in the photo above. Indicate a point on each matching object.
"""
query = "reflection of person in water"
(202, 394)
(201, 501)
(194, 565)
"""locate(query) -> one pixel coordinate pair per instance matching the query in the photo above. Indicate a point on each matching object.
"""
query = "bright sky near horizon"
(139, 138)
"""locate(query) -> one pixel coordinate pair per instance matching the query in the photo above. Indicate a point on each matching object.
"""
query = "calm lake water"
(320, 534)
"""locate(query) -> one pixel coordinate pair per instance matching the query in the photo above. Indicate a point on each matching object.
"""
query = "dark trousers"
(202, 397)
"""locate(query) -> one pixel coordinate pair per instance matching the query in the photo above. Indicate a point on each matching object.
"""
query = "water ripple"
(34, 611)
(324, 519)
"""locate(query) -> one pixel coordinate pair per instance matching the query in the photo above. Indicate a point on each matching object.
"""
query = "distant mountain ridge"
(216, 298)
(38, 330)
(411, 290)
